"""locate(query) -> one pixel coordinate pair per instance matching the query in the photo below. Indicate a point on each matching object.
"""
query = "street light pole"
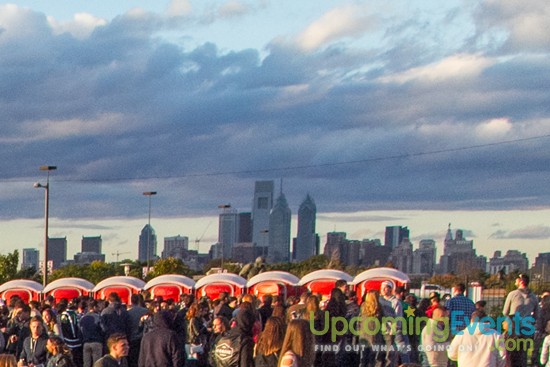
(264, 232)
(46, 188)
(149, 194)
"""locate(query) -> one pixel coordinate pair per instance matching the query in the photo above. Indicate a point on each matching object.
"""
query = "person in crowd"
(197, 330)
(541, 325)
(236, 348)
(545, 349)
(270, 343)
(480, 305)
(435, 339)
(342, 285)
(315, 317)
(401, 337)
(411, 303)
(7, 360)
(352, 307)
(34, 346)
(435, 300)
(223, 309)
(17, 328)
(520, 304)
(298, 346)
(336, 307)
(296, 310)
(92, 335)
(50, 322)
(265, 310)
(70, 329)
(135, 313)
(118, 347)
(35, 308)
(478, 344)
(460, 307)
(161, 347)
(220, 326)
(60, 353)
(279, 311)
(114, 318)
(391, 307)
(370, 337)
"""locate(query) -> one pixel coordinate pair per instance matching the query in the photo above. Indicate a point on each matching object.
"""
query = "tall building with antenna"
(279, 230)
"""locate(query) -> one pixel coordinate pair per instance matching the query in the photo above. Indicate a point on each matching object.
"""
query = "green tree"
(8, 266)
(99, 270)
(170, 265)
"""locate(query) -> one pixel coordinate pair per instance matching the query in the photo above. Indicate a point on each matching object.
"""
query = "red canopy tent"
(68, 288)
(212, 285)
(124, 286)
(372, 279)
(170, 286)
(322, 281)
(279, 283)
(27, 290)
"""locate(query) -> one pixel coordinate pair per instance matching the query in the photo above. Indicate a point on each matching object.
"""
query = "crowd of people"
(388, 327)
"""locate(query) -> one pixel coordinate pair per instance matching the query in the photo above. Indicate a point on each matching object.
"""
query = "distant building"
(459, 255)
(279, 231)
(395, 235)
(542, 266)
(147, 245)
(91, 244)
(307, 241)
(228, 230)
(57, 251)
(261, 208)
(245, 227)
(85, 258)
(402, 256)
(424, 260)
(31, 258)
(175, 246)
(512, 261)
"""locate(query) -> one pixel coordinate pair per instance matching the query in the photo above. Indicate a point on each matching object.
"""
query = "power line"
(307, 166)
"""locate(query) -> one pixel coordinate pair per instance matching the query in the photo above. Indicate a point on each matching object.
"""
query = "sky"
(405, 113)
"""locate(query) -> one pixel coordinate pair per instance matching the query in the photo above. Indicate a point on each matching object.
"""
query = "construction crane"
(198, 239)
(118, 253)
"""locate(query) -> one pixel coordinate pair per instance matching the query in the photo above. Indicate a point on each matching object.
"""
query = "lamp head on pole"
(48, 168)
(149, 193)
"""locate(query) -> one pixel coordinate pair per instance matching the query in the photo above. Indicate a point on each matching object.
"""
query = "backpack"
(70, 329)
(227, 351)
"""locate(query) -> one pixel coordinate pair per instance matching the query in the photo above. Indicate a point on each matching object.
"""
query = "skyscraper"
(228, 231)
(245, 227)
(279, 231)
(31, 258)
(57, 251)
(91, 244)
(147, 244)
(395, 235)
(261, 208)
(306, 239)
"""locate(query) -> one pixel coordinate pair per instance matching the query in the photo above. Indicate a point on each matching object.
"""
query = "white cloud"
(338, 23)
(178, 8)
(82, 25)
(232, 9)
(457, 67)
(531, 232)
(494, 128)
(110, 124)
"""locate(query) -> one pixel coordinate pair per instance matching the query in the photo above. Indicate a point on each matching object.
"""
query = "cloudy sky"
(388, 113)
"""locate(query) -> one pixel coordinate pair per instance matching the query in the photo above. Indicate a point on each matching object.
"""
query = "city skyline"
(404, 113)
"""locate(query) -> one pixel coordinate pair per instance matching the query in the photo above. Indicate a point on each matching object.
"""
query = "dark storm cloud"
(123, 111)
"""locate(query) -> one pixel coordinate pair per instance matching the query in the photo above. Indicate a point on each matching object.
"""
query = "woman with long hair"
(298, 345)
(61, 355)
(7, 360)
(371, 315)
(270, 342)
(50, 322)
(316, 318)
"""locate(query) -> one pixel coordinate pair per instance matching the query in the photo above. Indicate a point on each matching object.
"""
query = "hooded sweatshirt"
(478, 345)
(161, 347)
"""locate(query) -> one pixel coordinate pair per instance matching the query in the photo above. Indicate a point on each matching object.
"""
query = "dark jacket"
(36, 355)
(90, 326)
(239, 336)
(115, 319)
(108, 361)
(162, 347)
